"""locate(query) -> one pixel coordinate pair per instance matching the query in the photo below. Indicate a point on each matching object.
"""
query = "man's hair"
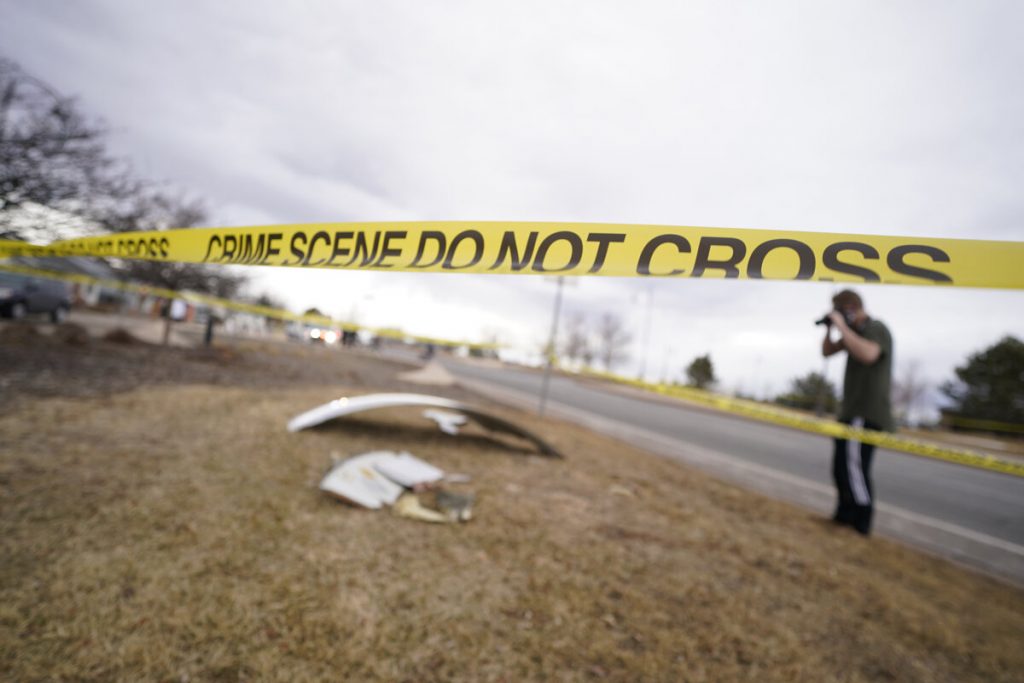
(845, 298)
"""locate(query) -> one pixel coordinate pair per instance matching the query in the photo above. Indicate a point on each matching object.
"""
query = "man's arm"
(864, 350)
(829, 347)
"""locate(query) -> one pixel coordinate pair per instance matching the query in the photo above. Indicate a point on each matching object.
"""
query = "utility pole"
(665, 358)
(549, 350)
(647, 332)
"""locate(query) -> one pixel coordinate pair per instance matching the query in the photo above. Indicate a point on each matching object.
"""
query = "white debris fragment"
(447, 422)
(408, 470)
(384, 478)
(357, 481)
(409, 506)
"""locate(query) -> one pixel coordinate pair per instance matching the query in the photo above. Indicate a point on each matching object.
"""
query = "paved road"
(917, 496)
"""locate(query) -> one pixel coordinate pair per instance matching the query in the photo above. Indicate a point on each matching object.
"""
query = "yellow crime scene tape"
(503, 247)
(983, 425)
(240, 306)
(814, 425)
(571, 249)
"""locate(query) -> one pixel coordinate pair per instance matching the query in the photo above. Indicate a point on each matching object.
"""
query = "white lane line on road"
(629, 432)
(891, 510)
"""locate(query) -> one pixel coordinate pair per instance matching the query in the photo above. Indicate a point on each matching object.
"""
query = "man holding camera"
(868, 345)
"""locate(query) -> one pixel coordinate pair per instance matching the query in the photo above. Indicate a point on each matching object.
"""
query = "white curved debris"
(356, 404)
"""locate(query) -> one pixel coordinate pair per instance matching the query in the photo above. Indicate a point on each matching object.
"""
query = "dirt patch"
(119, 335)
(71, 334)
(171, 530)
(19, 333)
(35, 365)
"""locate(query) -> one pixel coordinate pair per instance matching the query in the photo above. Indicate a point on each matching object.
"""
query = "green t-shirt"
(866, 387)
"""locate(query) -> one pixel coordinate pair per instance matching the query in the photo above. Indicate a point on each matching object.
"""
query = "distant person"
(865, 403)
(178, 310)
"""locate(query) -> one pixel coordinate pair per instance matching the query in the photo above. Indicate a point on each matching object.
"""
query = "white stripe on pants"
(854, 470)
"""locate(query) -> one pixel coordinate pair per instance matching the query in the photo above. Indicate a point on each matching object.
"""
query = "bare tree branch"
(50, 153)
(612, 341)
(155, 210)
(577, 346)
(907, 391)
(53, 156)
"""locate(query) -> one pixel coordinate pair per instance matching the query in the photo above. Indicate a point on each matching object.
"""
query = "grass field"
(158, 523)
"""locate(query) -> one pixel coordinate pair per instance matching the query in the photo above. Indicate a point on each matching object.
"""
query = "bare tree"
(54, 158)
(576, 346)
(150, 209)
(907, 391)
(588, 356)
(51, 154)
(612, 341)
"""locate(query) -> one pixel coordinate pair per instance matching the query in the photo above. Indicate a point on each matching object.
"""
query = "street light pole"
(647, 332)
(549, 350)
(666, 356)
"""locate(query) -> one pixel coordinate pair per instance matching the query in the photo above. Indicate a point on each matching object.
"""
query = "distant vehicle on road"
(312, 333)
(21, 295)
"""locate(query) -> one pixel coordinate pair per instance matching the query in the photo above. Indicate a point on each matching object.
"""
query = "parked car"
(21, 295)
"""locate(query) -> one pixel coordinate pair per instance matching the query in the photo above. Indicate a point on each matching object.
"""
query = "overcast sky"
(873, 117)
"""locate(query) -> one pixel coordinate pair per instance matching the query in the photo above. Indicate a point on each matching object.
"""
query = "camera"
(825, 320)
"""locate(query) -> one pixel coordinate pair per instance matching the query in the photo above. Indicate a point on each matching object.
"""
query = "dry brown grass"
(175, 533)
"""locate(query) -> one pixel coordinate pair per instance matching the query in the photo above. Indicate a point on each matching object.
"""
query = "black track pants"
(851, 471)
